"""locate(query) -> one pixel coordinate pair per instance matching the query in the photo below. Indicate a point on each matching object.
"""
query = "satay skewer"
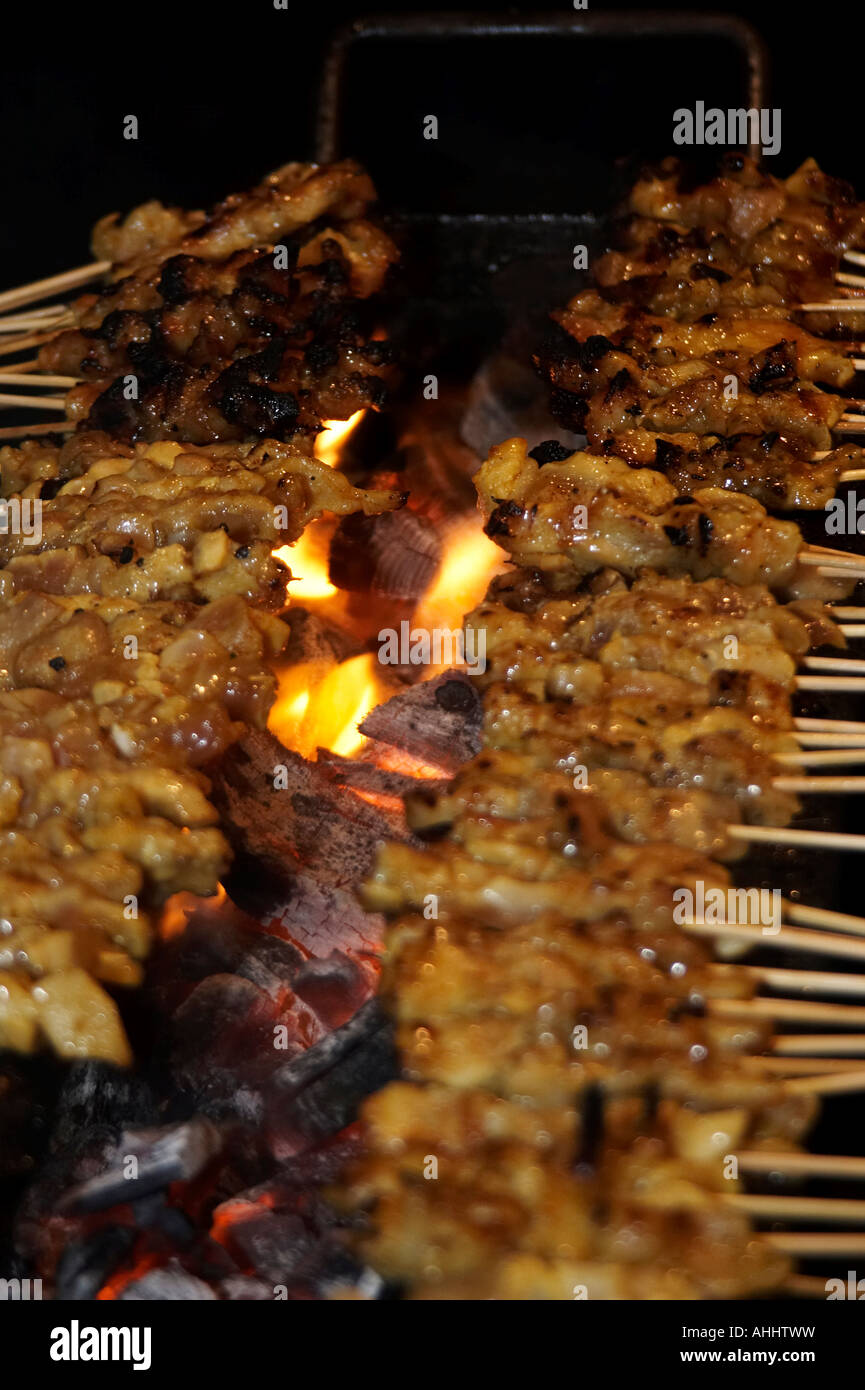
(35, 290)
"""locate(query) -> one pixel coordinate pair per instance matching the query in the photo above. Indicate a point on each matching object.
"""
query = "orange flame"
(178, 908)
(320, 706)
(308, 561)
(334, 435)
(469, 562)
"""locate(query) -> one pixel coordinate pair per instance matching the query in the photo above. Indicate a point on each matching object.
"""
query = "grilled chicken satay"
(743, 204)
(620, 392)
(131, 655)
(761, 352)
(502, 785)
(224, 336)
(177, 523)
(690, 631)
(645, 1218)
(571, 518)
(292, 197)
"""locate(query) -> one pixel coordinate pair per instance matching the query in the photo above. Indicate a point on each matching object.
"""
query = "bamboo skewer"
(27, 340)
(830, 740)
(851, 684)
(789, 1010)
(806, 916)
(35, 402)
(813, 981)
(785, 835)
(54, 284)
(828, 1084)
(818, 1044)
(830, 758)
(28, 431)
(840, 559)
(856, 282)
(809, 1245)
(832, 306)
(801, 1164)
(801, 1066)
(833, 726)
(828, 1209)
(16, 323)
(785, 938)
(820, 786)
(36, 380)
(855, 257)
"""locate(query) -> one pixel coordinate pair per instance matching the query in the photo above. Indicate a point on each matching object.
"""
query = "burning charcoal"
(161, 1156)
(438, 722)
(241, 1288)
(168, 1284)
(325, 1086)
(270, 963)
(308, 825)
(99, 1096)
(275, 1246)
(87, 1263)
(395, 555)
(312, 639)
(366, 777)
(334, 987)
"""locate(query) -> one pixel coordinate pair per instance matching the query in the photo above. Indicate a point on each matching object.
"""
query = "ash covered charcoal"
(438, 722)
(88, 1262)
(321, 1090)
(170, 1283)
(171, 1153)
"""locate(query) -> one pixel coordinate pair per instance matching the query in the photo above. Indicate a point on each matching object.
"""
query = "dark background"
(223, 93)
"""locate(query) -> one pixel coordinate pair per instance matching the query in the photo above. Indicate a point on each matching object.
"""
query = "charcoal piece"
(275, 1246)
(324, 919)
(312, 639)
(438, 722)
(97, 1095)
(307, 825)
(173, 1153)
(394, 555)
(242, 1288)
(366, 777)
(324, 1087)
(168, 1284)
(334, 987)
(88, 1263)
(270, 963)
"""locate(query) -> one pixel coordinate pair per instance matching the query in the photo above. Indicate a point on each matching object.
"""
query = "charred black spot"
(701, 270)
(667, 455)
(499, 522)
(456, 697)
(125, 555)
(704, 522)
(550, 451)
(57, 663)
(775, 366)
(174, 284)
(591, 1127)
(677, 535)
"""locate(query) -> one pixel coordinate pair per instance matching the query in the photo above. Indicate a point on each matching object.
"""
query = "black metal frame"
(624, 25)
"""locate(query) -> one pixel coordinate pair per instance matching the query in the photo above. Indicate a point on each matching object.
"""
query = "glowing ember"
(179, 907)
(329, 443)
